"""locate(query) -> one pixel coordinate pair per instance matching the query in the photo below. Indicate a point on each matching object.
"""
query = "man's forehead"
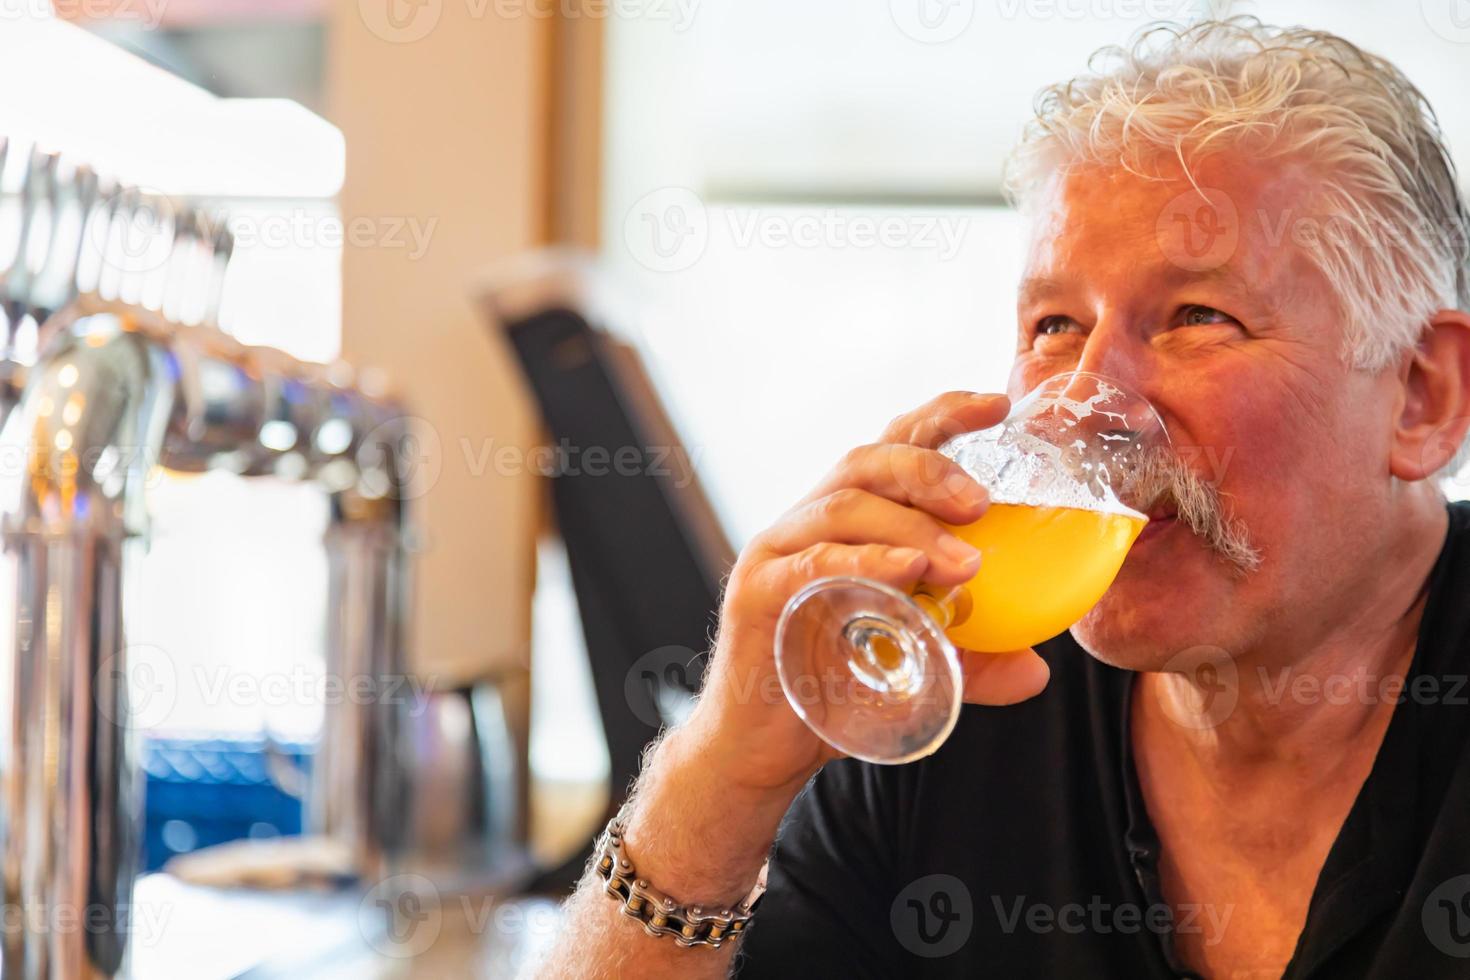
(1162, 174)
(1041, 284)
(1227, 223)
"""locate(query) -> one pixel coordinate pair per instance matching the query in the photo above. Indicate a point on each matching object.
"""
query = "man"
(1250, 759)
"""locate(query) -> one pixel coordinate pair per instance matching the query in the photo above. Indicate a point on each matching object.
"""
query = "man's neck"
(1296, 699)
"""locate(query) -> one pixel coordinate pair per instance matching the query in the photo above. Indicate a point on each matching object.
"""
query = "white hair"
(1396, 240)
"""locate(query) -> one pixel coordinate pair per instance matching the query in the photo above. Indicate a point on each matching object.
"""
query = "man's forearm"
(695, 837)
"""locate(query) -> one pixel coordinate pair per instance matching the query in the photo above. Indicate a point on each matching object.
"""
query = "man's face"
(1209, 308)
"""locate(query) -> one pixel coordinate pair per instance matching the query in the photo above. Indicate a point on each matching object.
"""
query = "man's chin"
(1140, 635)
(1171, 595)
(1115, 645)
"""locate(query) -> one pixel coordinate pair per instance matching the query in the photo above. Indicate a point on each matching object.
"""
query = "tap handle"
(97, 228)
(112, 272)
(177, 275)
(15, 281)
(8, 205)
(45, 200)
(56, 281)
(140, 252)
(222, 250)
(88, 188)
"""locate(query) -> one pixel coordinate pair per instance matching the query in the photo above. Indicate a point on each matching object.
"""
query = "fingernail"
(957, 550)
(903, 557)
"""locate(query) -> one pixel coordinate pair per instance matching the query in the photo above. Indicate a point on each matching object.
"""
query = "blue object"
(204, 791)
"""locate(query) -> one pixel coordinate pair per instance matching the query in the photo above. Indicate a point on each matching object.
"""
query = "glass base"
(868, 670)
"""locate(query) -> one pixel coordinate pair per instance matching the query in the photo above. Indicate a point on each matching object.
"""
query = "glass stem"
(947, 607)
(885, 657)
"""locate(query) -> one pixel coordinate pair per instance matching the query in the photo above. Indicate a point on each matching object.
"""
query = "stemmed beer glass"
(876, 673)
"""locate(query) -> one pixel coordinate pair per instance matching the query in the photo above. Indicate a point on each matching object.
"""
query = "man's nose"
(1116, 350)
(1120, 351)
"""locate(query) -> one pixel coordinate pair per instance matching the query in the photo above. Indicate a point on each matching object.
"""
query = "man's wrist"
(662, 914)
(695, 834)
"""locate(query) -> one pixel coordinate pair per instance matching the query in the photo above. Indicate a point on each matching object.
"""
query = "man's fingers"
(1003, 678)
(857, 517)
(908, 475)
(933, 424)
(900, 568)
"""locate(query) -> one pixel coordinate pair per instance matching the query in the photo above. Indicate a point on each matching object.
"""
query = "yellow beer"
(1042, 569)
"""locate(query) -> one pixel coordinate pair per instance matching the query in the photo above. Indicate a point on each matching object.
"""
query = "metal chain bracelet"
(660, 914)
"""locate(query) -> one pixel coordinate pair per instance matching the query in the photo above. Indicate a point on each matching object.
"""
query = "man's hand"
(709, 801)
(876, 515)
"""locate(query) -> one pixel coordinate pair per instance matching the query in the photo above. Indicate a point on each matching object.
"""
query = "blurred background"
(732, 238)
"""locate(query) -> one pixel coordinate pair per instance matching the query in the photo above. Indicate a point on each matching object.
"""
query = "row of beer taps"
(66, 231)
(112, 363)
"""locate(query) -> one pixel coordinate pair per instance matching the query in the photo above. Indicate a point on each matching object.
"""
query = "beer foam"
(1019, 468)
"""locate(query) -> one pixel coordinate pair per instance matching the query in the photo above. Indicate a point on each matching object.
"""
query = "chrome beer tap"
(114, 395)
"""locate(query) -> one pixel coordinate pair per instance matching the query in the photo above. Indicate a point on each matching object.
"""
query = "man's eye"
(1195, 315)
(1050, 326)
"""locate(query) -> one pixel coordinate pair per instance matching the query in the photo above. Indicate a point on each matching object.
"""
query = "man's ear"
(1434, 408)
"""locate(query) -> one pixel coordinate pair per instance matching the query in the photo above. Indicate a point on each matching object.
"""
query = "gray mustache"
(1163, 478)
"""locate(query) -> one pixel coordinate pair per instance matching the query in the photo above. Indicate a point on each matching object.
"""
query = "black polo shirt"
(1022, 848)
